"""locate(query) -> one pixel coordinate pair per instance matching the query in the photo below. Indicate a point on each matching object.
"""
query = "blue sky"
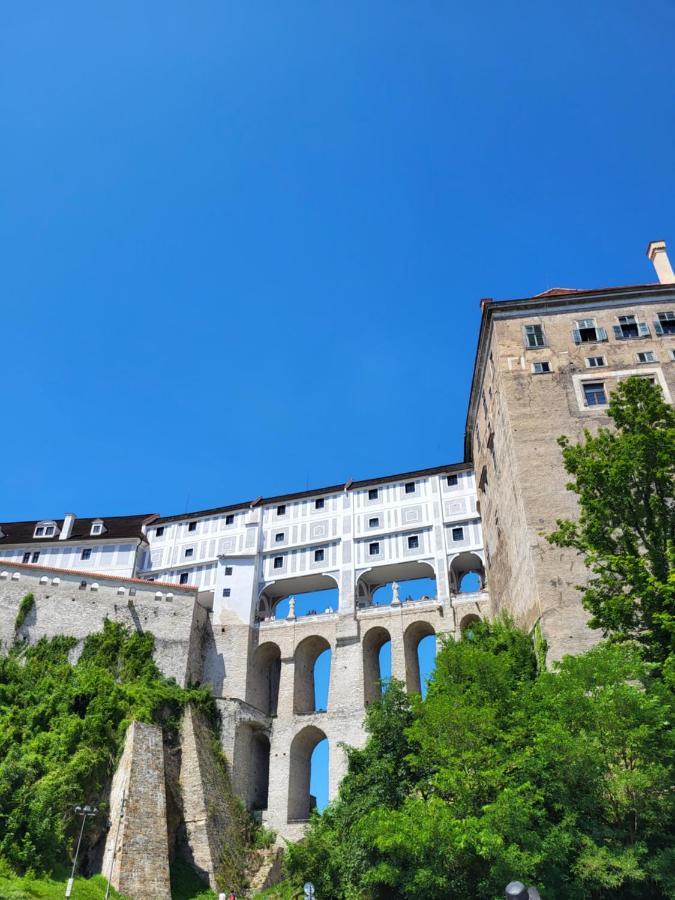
(242, 245)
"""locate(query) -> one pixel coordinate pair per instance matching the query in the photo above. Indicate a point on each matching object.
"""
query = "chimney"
(67, 527)
(656, 251)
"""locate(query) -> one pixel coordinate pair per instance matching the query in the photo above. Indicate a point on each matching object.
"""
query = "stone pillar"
(136, 856)
(205, 790)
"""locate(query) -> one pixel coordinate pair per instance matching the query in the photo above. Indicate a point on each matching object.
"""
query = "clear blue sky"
(242, 245)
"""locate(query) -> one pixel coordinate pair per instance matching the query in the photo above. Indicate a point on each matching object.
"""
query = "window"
(26, 557)
(672, 354)
(39, 531)
(482, 483)
(36, 556)
(410, 487)
(228, 570)
(159, 531)
(629, 327)
(229, 519)
(586, 332)
(319, 504)
(278, 562)
(319, 555)
(281, 510)
(86, 553)
(192, 526)
(226, 592)
(458, 534)
(646, 357)
(49, 531)
(534, 336)
(594, 393)
(189, 551)
(595, 362)
(665, 323)
(452, 480)
(373, 494)
(413, 542)
(374, 522)
(183, 578)
(374, 548)
(279, 536)
(541, 368)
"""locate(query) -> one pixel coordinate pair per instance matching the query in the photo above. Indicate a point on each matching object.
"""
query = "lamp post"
(86, 812)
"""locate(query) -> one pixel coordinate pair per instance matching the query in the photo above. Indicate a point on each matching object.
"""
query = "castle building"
(545, 367)
(114, 545)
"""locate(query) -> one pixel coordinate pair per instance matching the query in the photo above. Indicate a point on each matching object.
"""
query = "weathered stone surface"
(207, 797)
(66, 608)
(136, 856)
(514, 445)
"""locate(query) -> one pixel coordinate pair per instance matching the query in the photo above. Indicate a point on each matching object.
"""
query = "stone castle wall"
(136, 857)
(77, 605)
(515, 448)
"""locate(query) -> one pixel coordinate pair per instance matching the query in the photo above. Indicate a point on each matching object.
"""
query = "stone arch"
(414, 633)
(373, 641)
(370, 580)
(259, 771)
(300, 802)
(466, 564)
(263, 683)
(306, 654)
(467, 621)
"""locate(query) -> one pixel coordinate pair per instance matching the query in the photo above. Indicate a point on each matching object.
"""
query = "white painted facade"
(354, 538)
(119, 559)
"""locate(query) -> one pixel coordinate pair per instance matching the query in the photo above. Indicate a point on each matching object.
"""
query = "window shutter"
(618, 333)
(658, 328)
(643, 329)
(601, 334)
(576, 335)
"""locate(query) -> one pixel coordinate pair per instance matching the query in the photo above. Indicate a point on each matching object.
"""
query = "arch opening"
(402, 582)
(376, 662)
(259, 773)
(263, 688)
(308, 773)
(306, 595)
(418, 666)
(466, 625)
(467, 574)
(311, 675)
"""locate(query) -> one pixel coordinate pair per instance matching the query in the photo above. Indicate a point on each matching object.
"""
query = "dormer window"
(97, 527)
(45, 530)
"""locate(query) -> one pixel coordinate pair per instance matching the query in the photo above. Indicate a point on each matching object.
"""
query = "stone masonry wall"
(207, 799)
(136, 856)
(63, 607)
(518, 424)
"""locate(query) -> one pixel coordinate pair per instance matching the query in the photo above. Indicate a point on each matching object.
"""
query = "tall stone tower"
(546, 366)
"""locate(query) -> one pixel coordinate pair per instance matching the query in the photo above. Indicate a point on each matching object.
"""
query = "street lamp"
(86, 812)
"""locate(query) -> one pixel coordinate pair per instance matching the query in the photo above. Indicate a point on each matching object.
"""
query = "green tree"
(62, 727)
(625, 481)
(559, 778)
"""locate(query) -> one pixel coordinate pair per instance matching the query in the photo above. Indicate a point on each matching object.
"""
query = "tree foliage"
(562, 779)
(625, 482)
(62, 727)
